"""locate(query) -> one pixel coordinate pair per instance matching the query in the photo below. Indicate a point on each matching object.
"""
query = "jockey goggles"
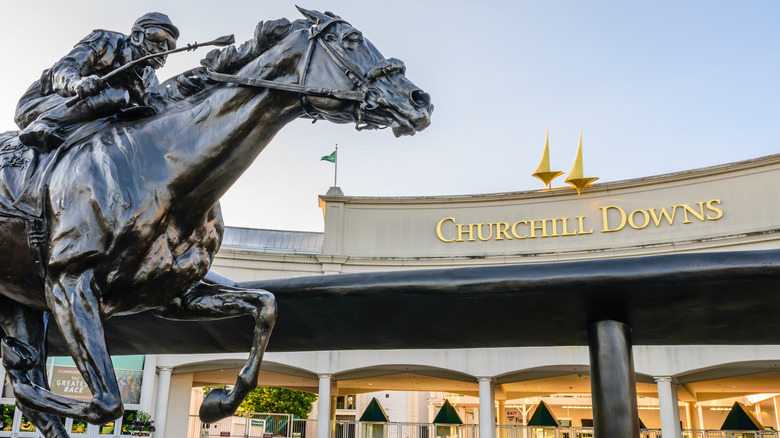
(159, 35)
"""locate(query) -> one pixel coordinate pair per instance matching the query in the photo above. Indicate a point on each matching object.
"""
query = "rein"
(360, 93)
(353, 95)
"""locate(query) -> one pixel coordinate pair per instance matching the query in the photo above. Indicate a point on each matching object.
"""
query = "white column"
(323, 406)
(676, 410)
(688, 416)
(422, 409)
(777, 413)
(493, 405)
(525, 421)
(177, 412)
(701, 416)
(431, 408)
(487, 408)
(668, 404)
(163, 389)
(501, 419)
(758, 412)
(147, 383)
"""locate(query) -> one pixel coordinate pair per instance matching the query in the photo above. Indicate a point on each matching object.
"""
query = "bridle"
(362, 92)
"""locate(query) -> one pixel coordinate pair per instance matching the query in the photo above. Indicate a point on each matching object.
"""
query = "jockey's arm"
(76, 72)
(151, 94)
(68, 73)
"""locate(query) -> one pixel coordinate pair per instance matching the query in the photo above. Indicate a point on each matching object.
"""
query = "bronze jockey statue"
(42, 114)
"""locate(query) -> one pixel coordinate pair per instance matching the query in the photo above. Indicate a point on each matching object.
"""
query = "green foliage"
(136, 421)
(207, 389)
(268, 399)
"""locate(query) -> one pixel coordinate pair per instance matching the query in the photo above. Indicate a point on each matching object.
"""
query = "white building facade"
(722, 208)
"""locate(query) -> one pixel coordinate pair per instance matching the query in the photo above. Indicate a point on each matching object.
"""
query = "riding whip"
(220, 42)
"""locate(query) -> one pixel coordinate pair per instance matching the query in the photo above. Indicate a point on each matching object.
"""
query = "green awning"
(447, 415)
(740, 419)
(374, 412)
(543, 417)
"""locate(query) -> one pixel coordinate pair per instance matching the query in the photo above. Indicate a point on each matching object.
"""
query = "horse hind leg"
(26, 327)
(213, 301)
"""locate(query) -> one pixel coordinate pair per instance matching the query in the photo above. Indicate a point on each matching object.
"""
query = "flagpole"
(336, 168)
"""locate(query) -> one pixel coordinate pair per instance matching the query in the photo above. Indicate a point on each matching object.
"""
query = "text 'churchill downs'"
(613, 219)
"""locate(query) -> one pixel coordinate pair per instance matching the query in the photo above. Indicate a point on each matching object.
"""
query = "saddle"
(18, 165)
(24, 170)
(24, 176)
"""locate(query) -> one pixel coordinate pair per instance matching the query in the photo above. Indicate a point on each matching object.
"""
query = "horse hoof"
(215, 406)
(17, 355)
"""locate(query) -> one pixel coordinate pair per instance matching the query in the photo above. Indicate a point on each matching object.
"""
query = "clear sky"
(657, 87)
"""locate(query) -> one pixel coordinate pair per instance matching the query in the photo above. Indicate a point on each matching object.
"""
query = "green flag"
(331, 157)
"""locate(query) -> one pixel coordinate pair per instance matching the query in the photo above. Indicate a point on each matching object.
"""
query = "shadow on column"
(613, 384)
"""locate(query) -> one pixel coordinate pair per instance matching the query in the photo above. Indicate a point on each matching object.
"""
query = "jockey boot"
(43, 134)
(48, 131)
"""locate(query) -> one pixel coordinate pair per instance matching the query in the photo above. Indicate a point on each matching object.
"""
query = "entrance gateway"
(653, 296)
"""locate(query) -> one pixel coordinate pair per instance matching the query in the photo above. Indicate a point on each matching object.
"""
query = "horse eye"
(354, 38)
(329, 37)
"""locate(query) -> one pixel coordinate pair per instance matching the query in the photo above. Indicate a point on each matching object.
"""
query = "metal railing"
(244, 425)
(409, 430)
(255, 425)
(364, 429)
(702, 433)
(304, 428)
(520, 431)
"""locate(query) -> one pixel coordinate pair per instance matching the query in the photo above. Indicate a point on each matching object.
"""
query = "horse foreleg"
(28, 326)
(212, 301)
(74, 303)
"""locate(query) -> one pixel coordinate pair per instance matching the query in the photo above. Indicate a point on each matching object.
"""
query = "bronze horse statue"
(125, 216)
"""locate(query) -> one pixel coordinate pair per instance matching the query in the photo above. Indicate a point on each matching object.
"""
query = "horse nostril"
(420, 98)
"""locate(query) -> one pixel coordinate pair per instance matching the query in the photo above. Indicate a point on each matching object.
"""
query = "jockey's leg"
(47, 130)
(213, 301)
(75, 306)
(29, 327)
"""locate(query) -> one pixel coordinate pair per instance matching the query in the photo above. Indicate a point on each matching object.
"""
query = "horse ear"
(313, 16)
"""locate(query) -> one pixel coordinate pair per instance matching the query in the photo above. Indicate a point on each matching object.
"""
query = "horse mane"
(229, 59)
(267, 34)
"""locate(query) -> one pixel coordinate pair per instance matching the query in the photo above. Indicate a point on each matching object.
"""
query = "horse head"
(340, 76)
(343, 59)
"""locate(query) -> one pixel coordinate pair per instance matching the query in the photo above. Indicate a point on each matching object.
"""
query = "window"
(345, 402)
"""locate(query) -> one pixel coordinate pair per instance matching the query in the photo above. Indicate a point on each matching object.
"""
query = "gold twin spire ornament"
(543, 172)
(575, 178)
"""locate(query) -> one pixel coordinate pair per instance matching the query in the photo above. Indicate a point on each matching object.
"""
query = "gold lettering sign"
(613, 219)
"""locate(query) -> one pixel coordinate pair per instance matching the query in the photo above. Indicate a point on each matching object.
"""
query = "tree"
(279, 401)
